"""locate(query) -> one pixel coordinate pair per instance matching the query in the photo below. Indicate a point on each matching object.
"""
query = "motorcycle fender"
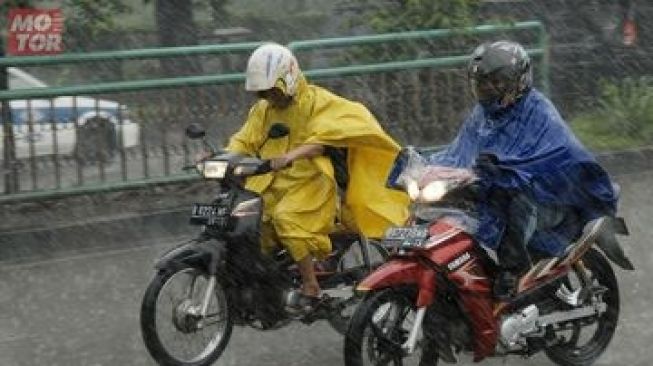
(608, 243)
(393, 273)
(397, 273)
(197, 254)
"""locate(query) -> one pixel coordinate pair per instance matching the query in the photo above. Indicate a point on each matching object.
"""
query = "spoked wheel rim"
(386, 330)
(584, 340)
(353, 259)
(384, 336)
(186, 335)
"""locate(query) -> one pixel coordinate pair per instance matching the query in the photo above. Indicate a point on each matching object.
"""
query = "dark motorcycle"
(433, 298)
(202, 288)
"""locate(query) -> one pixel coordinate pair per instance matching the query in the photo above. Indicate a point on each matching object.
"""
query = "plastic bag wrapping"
(413, 173)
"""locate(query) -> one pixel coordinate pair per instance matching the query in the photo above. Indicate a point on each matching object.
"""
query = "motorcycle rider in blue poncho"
(538, 184)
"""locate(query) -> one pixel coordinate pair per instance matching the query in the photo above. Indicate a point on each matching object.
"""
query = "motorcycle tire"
(340, 321)
(379, 328)
(151, 326)
(569, 353)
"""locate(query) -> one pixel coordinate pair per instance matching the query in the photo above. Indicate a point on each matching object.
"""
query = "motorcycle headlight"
(433, 191)
(412, 188)
(214, 169)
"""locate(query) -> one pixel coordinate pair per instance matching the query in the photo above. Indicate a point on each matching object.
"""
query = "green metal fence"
(413, 81)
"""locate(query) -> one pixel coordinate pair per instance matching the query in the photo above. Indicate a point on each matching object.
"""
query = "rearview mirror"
(278, 130)
(195, 131)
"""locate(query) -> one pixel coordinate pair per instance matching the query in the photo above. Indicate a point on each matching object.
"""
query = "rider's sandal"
(307, 305)
(303, 304)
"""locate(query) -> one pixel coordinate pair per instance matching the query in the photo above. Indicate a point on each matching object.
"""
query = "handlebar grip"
(266, 167)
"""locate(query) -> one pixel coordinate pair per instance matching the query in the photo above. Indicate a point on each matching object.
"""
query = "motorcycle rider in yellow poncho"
(300, 195)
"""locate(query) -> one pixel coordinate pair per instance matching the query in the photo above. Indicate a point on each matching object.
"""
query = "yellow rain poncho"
(300, 201)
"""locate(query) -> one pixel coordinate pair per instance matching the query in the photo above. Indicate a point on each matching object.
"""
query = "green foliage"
(10, 4)
(280, 20)
(368, 16)
(90, 18)
(628, 106)
(400, 15)
(623, 119)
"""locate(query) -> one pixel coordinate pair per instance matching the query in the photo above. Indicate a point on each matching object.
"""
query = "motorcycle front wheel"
(378, 329)
(174, 330)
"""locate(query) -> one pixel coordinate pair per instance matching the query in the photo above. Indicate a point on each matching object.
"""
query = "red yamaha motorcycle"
(433, 299)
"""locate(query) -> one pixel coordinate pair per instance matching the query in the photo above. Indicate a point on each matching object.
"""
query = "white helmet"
(272, 65)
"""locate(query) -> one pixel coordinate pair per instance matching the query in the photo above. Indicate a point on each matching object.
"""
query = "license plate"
(406, 236)
(202, 214)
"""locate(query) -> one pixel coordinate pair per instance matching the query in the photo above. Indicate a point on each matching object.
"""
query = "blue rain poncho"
(537, 154)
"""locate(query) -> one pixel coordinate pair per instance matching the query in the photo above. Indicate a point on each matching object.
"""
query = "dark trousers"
(523, 216)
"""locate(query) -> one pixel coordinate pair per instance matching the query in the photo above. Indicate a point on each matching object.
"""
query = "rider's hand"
(486, 165)
(280, 162)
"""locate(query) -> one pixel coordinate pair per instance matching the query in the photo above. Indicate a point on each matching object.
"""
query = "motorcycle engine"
(516, 326)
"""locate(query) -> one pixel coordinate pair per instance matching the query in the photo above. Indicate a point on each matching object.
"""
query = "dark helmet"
(499, 73)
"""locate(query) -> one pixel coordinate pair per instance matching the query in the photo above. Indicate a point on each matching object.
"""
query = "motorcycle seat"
(591, 232)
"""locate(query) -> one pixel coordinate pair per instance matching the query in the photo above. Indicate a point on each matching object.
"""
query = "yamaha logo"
(456, 263)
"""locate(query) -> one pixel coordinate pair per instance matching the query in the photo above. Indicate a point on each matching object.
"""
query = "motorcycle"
(204, 287)
(432, 300)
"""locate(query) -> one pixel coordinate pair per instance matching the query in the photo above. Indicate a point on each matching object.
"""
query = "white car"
(101, 124)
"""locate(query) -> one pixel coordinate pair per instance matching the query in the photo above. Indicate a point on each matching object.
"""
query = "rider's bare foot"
(311, 289)
(310, 286)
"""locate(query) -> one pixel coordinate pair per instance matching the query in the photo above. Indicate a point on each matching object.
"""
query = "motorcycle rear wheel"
(571, 353)
(168, 318)
(352, 259)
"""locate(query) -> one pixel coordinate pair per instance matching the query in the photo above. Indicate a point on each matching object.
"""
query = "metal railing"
(161, 106)
(425, 35)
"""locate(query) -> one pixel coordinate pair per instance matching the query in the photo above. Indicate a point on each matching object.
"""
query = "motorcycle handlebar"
(265, 167)
(249, 169)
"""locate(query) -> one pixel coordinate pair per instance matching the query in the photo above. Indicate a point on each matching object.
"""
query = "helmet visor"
(488, 88)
